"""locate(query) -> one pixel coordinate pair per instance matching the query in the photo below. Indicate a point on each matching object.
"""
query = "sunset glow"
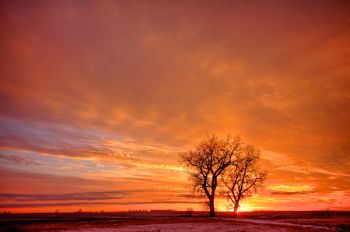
(99, 98)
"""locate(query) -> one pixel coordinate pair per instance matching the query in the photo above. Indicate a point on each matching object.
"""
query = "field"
(177, 221)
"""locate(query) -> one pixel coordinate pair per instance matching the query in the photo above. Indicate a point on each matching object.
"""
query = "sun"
(244, 207)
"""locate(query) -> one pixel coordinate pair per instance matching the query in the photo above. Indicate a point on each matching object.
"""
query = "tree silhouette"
(208, 162)
(244, 178)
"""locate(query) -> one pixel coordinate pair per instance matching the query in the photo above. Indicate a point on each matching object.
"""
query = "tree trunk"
(235, 212)
(211, 205)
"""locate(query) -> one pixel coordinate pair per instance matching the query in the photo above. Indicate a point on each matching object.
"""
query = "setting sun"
(245, 208)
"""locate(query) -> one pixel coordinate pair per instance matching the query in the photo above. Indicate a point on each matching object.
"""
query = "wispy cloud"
(19, 159)
(84, 196)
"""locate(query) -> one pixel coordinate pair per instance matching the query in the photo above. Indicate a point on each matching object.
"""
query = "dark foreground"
(177, 221)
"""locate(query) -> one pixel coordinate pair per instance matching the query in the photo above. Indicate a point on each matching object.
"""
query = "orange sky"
(99, 98)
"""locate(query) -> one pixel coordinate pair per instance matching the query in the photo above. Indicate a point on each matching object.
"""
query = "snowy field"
(209, 227)
(177, 221)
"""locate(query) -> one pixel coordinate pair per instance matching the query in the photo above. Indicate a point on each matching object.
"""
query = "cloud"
(290, 190)
(83, 204)
(82, 196)
(51, 191)
(71, 142)
(290, 193)
(19, 160)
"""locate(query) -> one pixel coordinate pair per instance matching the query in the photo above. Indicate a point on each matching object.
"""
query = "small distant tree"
(189, 212)
(243, 179)
(207, 163)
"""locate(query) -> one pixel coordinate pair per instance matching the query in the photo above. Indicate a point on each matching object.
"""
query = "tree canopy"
(220, 163)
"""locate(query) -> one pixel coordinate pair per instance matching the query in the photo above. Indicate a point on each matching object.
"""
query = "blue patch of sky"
(56, 165)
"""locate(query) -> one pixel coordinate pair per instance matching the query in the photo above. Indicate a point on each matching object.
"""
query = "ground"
(177, 221)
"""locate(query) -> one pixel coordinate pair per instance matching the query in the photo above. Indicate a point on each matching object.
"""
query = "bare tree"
(243, 179)
(208, 161)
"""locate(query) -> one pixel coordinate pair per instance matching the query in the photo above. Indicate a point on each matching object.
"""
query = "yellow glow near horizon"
(244, 207)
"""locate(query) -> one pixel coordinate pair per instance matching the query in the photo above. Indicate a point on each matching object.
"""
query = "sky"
(99, 98)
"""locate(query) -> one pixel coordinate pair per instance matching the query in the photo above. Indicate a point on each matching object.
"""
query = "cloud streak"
(86, 196)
